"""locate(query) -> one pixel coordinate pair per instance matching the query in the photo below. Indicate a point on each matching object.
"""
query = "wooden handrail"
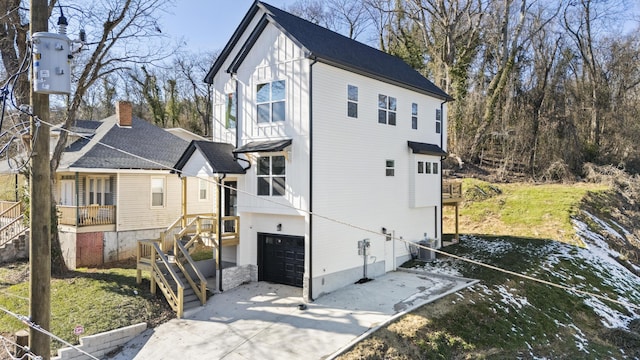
(201, 289)
(12, 230)
(176, 301)
(13, 211)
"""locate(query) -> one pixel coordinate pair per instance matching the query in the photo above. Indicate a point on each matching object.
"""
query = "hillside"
(505, 316)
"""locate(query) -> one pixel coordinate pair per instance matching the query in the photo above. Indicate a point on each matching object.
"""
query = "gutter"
(219, 201)
(310, 295)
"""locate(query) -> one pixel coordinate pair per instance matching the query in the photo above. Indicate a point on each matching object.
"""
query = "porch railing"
(452, 190)
(12, 222)
(86, 215)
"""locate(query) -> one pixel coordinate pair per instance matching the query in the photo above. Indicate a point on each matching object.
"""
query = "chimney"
(124, 111)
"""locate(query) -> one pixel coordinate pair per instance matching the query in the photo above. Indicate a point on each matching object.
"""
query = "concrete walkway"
(263, 320)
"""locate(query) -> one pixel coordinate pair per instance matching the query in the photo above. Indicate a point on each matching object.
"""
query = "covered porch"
(86, 199)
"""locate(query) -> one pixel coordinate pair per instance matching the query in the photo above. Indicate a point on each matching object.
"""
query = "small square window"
(390, 167)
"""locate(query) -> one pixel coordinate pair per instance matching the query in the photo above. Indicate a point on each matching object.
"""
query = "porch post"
(218, 228)
(457, 236)
(184, 202)
(77, 202)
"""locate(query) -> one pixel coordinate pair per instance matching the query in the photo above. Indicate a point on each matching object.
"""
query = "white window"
(99, 191)
(390, 168)
(270, 100)
(352, 101)
(204, 186)
(386, 109)
(438, 121)
(231, 111)
(414, 116)
(271, 175)
(157, 192)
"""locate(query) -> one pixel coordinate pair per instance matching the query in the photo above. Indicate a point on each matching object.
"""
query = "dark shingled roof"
(331, 48)
(263, 146)
(426, 149)
(218, 155)
(142, 139)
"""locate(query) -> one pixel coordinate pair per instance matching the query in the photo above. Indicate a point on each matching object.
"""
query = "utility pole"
(40, 208)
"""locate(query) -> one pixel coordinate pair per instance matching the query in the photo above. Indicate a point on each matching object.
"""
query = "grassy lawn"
(8, 186)
(525, 210)
(98, 299)
(505, 317)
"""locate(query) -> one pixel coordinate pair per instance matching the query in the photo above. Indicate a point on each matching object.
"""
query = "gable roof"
(218, 155)
(329, 47)
(144, 147)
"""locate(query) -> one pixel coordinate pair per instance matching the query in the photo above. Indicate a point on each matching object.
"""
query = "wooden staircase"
(168, 259)
(11, 222)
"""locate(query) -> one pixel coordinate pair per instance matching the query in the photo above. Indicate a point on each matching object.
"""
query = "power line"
(25, 320)
(25, 350)
(374, 232)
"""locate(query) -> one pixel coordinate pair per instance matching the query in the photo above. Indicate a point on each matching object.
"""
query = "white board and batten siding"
(349, 170)
(273, 57)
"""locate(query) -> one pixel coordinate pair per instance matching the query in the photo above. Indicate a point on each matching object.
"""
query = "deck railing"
(451, 190)
(86, 215)
(12, 222)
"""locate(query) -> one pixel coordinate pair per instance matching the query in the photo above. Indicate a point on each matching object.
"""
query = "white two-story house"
(340, 142)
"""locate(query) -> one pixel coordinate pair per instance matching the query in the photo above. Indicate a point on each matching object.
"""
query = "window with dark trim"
(420, 167)
(390, 168)
(427, 167)
(270, 101)
(435, 168)
(386, 109)
(271, 175)
(438, 121)
(352, 101)
(414, 116)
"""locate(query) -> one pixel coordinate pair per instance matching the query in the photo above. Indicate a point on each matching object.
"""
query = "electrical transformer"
(51, 63)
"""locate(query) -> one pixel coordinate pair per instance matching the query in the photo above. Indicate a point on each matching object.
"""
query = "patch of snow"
(510, 299)
(581, 340)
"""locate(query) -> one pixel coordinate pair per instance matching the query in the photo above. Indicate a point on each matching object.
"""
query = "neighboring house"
(330, 127)
(108, 199)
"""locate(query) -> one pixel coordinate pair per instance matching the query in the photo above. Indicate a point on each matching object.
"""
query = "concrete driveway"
(263, 320)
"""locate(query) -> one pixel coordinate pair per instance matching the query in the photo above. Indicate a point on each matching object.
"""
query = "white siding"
(134, 202)
(349, 183)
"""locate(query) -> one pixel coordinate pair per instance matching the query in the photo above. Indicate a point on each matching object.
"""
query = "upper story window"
(414, 116)
(420, 167)
(231, 111)
(157, 192)
(390, 168)
(386, 109)
(270, 100)
(271, 175)
(352, 101)
(435, 167)
(438, 121)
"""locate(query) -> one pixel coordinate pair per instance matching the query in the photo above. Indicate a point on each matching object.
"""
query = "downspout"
(219, 228)
(442, 130)
(235, 94)
(315, 60)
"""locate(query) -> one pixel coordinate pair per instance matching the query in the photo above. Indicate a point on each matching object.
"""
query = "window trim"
(387, 109)
(414, 116)
(271, 103)
(351, 101)
(438, 121)
(202, 182)
(390, 167)
(164, 191)
(104, 180)
(231, 111)
(271, 176)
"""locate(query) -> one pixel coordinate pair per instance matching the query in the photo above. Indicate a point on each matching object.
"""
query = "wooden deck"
(452, 196)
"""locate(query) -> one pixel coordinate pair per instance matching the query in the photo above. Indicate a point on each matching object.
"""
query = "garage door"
(281, 259)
